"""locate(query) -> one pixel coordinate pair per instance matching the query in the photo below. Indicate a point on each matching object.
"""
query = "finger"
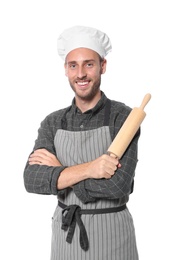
(40, 153)
(108, 176)
(39, 156)
(119, 165)
(35, 157)
(44, 160)
(38, 163)
(110, 172)
(38, 160)
(34, 162)
(43, 153)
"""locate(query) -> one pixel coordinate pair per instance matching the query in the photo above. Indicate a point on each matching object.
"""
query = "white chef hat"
(83, 37)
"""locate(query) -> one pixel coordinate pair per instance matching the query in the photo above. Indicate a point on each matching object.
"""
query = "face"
(83, 69)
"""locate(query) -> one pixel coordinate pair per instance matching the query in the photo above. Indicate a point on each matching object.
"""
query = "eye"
(89, 65)
(72, 66)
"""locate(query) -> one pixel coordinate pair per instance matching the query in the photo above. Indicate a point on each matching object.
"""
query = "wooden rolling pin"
(128, 129)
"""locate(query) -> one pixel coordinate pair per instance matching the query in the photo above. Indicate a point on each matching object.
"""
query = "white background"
(33, 84)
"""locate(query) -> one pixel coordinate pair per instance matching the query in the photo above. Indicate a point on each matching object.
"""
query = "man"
(70, 159)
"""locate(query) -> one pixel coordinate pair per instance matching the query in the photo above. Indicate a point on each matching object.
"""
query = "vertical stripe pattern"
(111, 236)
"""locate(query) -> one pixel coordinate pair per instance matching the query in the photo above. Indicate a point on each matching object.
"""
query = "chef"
(70, 160)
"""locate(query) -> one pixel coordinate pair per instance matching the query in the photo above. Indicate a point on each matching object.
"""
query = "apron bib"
(111, 236)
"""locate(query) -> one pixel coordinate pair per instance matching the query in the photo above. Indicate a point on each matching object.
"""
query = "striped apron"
(111, 236)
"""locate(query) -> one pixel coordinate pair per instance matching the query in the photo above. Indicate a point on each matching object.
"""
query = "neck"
(85, 105)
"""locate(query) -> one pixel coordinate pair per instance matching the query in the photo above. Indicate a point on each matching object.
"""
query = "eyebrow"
(85, 61)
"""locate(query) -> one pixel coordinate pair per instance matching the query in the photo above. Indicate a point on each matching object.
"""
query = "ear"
(66, 73)
(103, 66)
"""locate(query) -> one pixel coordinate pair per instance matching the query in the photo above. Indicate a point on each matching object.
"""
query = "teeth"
(82, 83)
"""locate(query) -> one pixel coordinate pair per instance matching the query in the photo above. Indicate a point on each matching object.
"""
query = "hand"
(103, 167)
(43, 157)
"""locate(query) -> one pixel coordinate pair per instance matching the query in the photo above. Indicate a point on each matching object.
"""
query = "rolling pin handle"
(145, 100)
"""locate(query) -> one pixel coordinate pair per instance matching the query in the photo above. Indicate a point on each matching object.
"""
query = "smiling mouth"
(83, 83)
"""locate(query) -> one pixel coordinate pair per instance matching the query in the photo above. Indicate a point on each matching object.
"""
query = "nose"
(81, 73)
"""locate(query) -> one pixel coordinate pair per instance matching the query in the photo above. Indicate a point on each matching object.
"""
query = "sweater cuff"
(56, 173)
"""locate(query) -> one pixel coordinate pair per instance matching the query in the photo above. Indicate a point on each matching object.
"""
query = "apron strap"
(72, 215)
(107, 112)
